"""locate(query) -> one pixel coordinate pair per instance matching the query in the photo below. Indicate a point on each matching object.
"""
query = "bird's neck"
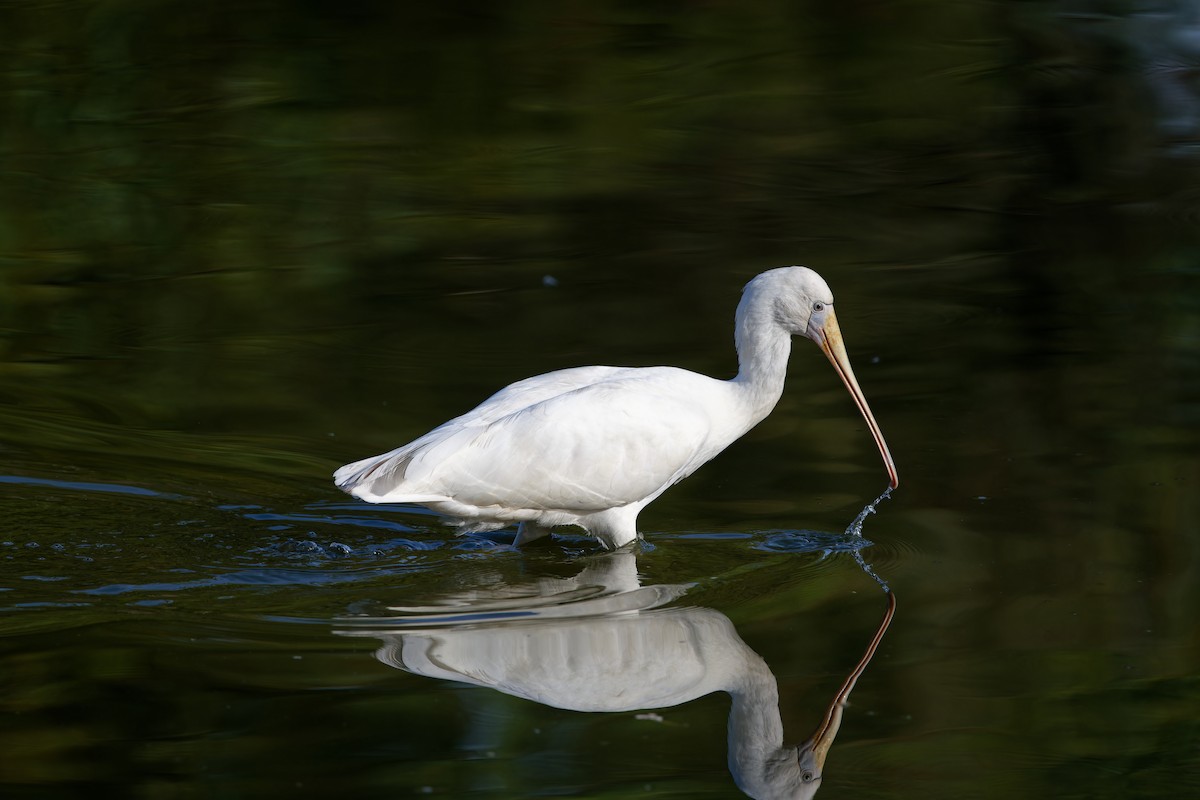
(763, 347)
(757, 758)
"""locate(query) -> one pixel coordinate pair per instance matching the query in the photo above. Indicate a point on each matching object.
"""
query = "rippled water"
(242, 246)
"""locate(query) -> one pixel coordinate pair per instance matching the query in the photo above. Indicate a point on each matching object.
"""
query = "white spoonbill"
(593, 446)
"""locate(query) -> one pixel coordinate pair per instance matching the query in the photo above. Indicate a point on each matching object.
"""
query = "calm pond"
(243, 244)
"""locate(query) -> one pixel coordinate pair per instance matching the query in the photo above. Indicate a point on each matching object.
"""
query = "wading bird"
(593, 446)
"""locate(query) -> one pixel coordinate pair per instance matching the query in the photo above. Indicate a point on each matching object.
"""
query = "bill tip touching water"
(593, 446)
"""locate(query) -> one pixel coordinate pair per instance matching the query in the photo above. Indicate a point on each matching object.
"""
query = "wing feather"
(579, 440)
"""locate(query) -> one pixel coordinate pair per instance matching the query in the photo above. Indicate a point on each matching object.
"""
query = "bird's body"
(592, 446)
(526, 465)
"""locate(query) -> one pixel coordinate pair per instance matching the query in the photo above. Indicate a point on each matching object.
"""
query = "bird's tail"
(380, 479)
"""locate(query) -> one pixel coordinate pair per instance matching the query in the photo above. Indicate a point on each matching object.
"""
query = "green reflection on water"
(240, 246)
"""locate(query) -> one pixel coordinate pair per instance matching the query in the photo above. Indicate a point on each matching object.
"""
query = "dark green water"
(242, 244)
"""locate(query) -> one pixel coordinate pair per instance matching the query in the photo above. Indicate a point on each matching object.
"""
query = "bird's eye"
(807, 775)
(818, 306)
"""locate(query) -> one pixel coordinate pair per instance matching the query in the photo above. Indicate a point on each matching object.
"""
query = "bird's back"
(385, 473)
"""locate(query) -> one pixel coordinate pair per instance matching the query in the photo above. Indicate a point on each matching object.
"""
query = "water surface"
(242, 246)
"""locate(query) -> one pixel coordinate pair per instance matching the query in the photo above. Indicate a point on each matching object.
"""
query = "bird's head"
(802, 304)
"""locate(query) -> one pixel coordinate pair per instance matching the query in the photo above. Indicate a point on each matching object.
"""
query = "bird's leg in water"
(528, 531)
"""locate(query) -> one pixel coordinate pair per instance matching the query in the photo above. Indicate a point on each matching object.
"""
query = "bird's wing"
(599, 446)
(387, 472)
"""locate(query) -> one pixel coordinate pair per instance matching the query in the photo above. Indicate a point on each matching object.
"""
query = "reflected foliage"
(242, 243)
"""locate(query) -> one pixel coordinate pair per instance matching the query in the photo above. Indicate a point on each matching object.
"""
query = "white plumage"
(592, 446)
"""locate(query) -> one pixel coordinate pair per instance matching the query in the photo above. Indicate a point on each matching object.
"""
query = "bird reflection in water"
(575, 643)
